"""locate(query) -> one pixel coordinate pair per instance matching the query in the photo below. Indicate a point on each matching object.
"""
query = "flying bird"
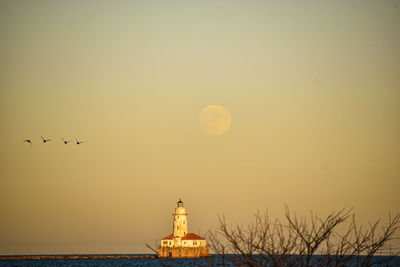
(78, 142)
(65, 141)
(45, 140)
(27, 141)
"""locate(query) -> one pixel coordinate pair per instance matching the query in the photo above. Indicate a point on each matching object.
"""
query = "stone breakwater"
(40, 257)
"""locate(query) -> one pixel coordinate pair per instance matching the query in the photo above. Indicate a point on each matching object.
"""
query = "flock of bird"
(45, 140)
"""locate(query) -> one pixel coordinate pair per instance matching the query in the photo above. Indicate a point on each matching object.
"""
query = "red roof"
(188, 236)
(192, 236)
(168, 237)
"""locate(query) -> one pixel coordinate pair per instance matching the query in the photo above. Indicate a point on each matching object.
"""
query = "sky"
(312, 87)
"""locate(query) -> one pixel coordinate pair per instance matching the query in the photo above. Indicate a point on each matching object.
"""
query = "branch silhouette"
(334, 240)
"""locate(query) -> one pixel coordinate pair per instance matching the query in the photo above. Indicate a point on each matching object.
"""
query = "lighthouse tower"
(180, 221)
(181, 243)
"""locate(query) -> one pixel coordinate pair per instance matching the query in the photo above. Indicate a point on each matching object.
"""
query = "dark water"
(213, 261)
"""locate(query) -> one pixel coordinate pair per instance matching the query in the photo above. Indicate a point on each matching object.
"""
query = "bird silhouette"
(27, 141)
(78, 142)
(65, 141)
(45, 140)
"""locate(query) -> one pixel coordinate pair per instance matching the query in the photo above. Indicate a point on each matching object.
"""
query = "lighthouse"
(181, 243)
(180, 220)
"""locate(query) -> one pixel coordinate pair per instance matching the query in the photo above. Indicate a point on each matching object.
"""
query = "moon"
(215, 120)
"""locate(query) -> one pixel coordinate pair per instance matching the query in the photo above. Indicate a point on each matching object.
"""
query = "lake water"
(213, 261)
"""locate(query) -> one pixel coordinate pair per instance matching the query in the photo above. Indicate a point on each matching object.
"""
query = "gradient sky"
(313, 88)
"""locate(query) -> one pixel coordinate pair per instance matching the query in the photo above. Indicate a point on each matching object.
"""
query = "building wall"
(167, 243)
(177, 242)
(193, 243)
(182, 252)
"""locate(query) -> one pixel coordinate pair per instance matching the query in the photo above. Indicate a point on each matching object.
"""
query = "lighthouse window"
(177, 227)
(183, 221)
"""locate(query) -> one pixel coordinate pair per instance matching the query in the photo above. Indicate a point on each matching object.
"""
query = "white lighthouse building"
(181, 243)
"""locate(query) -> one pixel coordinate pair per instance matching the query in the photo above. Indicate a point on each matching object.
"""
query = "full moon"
(215, 120)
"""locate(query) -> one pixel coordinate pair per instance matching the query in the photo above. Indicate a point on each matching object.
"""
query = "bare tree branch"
(303, 241)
